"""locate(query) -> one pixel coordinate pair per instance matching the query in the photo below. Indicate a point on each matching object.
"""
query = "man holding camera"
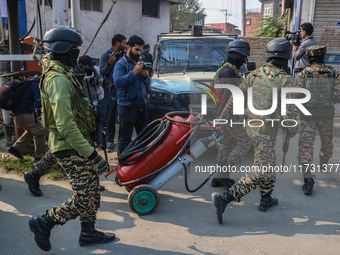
(107, 62)
(132, 81)
(299, 51)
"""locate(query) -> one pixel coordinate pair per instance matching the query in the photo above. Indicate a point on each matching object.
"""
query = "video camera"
(295, 37)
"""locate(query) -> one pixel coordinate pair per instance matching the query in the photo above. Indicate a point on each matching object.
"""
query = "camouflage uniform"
(71, 153)
(44, 165)
(263, 138)
(324, 84)
(233, 150)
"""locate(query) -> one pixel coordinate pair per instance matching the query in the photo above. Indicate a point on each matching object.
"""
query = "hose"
(186, 179)
(162, 133)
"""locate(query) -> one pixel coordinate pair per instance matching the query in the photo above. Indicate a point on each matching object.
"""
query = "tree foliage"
(272, 26)
(181, 15)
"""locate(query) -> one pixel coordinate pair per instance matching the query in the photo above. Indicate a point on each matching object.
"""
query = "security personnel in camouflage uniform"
(69, 116)
(232, 150)
(262, 80)
(322, 81)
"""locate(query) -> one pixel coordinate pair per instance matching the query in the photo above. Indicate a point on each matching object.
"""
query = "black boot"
(32, 180)
(323, 164)
(219, 182)
(89, 235)
(267, 202)
(220, 201)
(41, 227)
(308, 186)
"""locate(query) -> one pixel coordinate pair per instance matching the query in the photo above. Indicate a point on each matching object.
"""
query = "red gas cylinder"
(158, 156)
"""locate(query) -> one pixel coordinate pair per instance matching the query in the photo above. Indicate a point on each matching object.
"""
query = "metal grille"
(150, 8)
(91, 5)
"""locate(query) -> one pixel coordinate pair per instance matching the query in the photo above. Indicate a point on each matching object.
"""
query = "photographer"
(132, 81)
(147, 57)
(299, 51)
(107, 62)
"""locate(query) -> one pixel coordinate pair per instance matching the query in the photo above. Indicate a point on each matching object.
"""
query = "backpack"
(11, 94)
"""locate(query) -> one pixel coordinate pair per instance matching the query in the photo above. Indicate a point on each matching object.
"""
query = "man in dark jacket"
(27, 119)
(107, 63)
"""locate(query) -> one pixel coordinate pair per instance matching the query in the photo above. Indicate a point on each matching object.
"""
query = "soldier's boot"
(220, 201)
(222, 182)
(32, 179)
(267, 202)
(41, 227)
(323, 164)
(89, 235)
(307, 187)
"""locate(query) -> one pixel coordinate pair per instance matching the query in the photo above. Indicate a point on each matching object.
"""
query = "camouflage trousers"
(85, 200)
(264, 146)
(306, 142)
(44, 165)
(233, 150)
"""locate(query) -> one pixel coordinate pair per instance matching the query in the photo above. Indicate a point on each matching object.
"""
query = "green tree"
(181, 15)
(272, 26)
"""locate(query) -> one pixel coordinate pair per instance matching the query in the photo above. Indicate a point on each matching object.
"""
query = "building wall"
(257, 49)
(230, 29)
(254, 19)
(126, 18)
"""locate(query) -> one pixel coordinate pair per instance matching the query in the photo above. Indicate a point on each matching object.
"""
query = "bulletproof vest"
(319, 81)
(81, 106)
(263, 81)
(225, 64)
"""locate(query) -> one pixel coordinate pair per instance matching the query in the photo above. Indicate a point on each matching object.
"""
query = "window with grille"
(150, 8)
(91, 5)
(85, 5)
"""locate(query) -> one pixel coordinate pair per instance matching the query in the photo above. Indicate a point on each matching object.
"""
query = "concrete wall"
(257, 49)
(126, 18)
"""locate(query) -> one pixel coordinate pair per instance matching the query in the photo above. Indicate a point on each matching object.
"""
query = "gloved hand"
(100, 165)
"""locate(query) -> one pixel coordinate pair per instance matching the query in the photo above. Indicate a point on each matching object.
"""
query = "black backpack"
(11, 94)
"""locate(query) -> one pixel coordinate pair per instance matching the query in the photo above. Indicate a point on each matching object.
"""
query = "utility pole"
(243, 15)
(75, 15)
(225, 12)
(60, 13)
(13, 27)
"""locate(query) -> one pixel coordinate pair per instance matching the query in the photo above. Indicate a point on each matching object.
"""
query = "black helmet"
(60, 40)
(279, 48)
(239, 46)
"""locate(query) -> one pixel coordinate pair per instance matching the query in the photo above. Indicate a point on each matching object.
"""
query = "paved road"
(185, 223)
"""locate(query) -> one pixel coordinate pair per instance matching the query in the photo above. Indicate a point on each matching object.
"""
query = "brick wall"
(254, 18)
(257, 49)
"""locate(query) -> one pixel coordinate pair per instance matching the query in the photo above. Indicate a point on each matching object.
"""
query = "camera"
(119, 54)
(147, 65)
(295, 37)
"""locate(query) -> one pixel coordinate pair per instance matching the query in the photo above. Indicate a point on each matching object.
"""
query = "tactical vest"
(321, 88)
(263, 93)
(225, 64)
(81, 106)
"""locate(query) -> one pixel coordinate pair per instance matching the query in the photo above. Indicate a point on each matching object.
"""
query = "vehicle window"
(204, 54)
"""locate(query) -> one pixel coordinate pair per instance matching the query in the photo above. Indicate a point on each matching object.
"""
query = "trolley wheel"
(143, 199)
